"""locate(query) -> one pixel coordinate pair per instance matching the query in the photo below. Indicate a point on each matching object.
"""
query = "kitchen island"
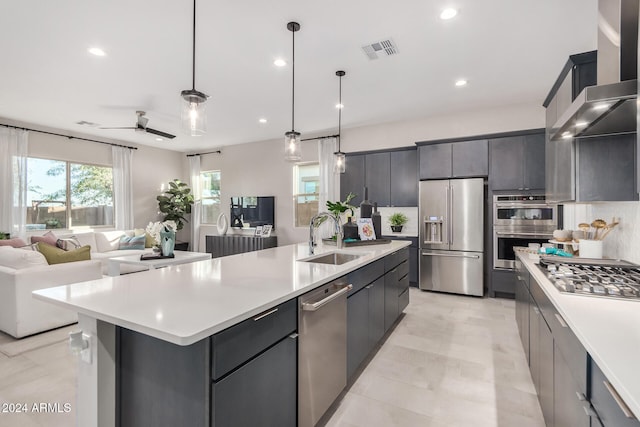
(183, 306)
(593, 343)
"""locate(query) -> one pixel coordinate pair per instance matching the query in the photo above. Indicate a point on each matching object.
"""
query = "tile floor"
(450, 361)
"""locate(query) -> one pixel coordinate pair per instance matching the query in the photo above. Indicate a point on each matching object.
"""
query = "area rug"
(12, 347)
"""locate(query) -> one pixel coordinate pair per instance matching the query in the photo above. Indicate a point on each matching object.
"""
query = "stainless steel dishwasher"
(322, 350)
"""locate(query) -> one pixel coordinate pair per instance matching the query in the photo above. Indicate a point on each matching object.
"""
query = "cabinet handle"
(588, 411)
(561, 320)
(293, 336)
(316, 305)
(260, 316)
(623, 406)
(368, 287)
(581, 397)
(536, 310)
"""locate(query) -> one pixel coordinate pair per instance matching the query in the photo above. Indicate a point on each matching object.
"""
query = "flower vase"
(167, 242)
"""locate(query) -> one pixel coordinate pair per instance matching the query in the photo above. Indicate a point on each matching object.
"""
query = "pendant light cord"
(340, 114)
(193, 60)
(293, 82)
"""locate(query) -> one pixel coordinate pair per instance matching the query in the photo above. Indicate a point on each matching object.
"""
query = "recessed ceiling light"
(97, 51)
(279, 62)
(461, 82)
(159, 139)
(262, 120)
(448, 13)
(339, 105)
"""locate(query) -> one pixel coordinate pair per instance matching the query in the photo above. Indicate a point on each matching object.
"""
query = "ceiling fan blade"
(160, 133)
(129, 127)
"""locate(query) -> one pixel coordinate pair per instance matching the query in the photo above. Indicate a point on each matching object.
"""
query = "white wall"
(151, 166)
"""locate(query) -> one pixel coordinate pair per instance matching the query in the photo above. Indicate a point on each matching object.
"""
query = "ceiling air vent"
(382, 48)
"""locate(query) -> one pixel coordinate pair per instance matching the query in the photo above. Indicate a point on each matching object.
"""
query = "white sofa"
(24, 271)
(104, 245)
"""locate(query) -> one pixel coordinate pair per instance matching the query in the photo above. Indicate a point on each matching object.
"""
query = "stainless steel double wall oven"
(518, 220)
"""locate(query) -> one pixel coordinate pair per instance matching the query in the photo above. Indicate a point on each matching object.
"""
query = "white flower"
(154, 229)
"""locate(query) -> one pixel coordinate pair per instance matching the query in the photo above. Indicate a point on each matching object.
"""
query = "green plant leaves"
(176, 202)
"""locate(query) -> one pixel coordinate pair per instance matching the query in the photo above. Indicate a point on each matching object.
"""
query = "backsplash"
(410, 229)
(623, 242)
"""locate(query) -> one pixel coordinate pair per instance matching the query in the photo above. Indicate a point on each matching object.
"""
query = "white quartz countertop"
(185, 303)
(609, 329)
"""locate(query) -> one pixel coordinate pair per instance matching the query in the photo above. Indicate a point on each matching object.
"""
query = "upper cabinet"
(454, 159)
(391, 177)
(517, 162)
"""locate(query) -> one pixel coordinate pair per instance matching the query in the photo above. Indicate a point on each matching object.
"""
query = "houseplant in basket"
(397, 220)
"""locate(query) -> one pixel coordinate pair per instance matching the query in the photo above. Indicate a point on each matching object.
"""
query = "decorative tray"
(150, 256)
(348, 243)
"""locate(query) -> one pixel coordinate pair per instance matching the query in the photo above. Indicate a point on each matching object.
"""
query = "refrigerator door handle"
(450, 255)
(447, 226)
(451, 214)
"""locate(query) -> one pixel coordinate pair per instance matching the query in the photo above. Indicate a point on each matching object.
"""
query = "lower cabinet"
(611, 409)
(391, 305)
(571, 407)
(267, 386)
(545, 379)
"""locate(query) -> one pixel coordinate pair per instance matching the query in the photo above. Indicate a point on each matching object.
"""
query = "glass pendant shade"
(339, 162)
(193, 116)
(292, 146)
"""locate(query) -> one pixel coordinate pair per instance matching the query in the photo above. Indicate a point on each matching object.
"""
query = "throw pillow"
(19, 259)
(15, 242)
(49, 238)
(68, 244)
(133, 242)
(56, 255)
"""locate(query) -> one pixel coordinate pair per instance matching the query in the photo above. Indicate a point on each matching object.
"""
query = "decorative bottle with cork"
(366, 208)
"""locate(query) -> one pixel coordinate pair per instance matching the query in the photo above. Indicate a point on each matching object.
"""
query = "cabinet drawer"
(403, 268)
(237, 344)
(610, 412)
(403, 300)
(262, 392)
(571, 349)
(391, 261)
(365, 275)
(403, 284)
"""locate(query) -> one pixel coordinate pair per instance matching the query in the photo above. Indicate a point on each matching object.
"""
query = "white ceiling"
(510, 51)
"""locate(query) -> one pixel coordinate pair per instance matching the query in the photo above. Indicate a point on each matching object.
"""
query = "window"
(64, 194)
(210, 196)
(306, 189)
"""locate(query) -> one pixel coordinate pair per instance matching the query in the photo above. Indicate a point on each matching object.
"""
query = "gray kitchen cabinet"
(534, 343)
(390, 298)
(522, 307)
(545, 379)
(413, 257)
(357, 329)
(268, 386)
(470, 158)
(391, 177)
(517, 163)
(609, 411)
(435, 161)
(396, 284)
(404, 178)
(569, 402)
(454, 159)
(352, 180)
(378, 178)
(376, 312)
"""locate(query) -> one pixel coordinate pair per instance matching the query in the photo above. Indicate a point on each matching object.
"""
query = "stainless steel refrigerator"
(452, 236)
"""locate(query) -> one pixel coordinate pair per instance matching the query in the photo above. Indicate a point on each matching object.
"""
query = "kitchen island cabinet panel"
(569, 402)
(545, 379)
(358, 315)
(268, 389)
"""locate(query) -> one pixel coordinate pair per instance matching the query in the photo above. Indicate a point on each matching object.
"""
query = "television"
(252, 210)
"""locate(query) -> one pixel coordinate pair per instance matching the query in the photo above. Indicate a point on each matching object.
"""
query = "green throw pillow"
(55, 255)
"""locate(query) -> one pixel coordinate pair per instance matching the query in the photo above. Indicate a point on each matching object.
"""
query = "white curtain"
(329, 181)
(196, 209)
(13, 181)
(122, 187)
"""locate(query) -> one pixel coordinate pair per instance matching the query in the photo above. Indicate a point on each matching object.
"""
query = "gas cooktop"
(603, 278)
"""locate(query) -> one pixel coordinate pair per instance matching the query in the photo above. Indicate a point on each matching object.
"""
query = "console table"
(225, 245)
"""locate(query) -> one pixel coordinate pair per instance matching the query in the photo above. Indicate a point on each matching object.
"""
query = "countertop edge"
(618, 382)
(185, 340)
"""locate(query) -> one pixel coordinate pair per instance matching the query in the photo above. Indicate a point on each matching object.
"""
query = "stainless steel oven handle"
(450, 255)
(524, 234)
(316, 305)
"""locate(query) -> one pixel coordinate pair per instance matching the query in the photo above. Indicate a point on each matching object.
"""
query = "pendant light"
(292, 145)
(339, 157)
(193, 117)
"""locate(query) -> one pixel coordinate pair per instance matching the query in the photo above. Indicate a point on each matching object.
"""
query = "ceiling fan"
(141, 126)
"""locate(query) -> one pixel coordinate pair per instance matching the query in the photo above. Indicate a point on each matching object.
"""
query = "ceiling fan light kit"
(292, 144)
(193, 112)
(339, 156)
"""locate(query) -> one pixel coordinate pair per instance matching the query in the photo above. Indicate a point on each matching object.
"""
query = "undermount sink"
(334, 258)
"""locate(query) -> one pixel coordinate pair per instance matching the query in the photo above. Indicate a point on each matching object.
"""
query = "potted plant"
(176, 202)
(336, 209)
(397, 220)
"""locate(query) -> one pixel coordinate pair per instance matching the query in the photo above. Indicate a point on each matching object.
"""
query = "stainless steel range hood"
(609, 108)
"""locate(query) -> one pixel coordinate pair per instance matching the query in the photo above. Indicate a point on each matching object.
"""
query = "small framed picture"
(266, 230)
(365, 229)
(258, 232)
